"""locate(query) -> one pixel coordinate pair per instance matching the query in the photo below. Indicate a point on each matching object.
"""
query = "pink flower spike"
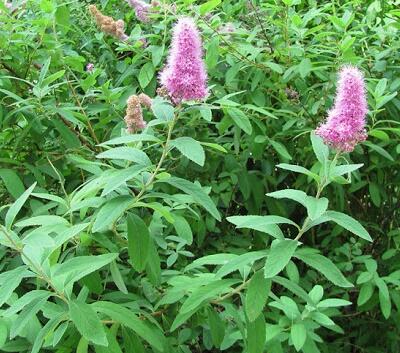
(344, 127)
(185, 76)
(142, 9)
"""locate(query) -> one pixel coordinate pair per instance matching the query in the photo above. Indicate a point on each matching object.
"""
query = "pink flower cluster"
(141, 9)
(185, 76)
(344, 127)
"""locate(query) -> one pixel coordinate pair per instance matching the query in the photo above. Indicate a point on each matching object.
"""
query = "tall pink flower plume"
(185, 76)
(344, 127)
(141, 9)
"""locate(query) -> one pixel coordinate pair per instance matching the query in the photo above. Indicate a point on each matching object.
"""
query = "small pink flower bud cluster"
(344, 127)
(141, 8)
(89, 67)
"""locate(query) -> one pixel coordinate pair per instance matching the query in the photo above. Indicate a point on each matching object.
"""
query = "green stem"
(237, 290)
(161, 161)
(321, 185)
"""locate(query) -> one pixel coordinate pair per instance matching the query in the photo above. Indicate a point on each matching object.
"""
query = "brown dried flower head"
(145, 100)
(108, 25)
(134, 115)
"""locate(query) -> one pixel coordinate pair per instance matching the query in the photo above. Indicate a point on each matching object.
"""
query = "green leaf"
(69, 233)
(366, 292)
(132, 342)
(324, 266)
(384, 297)
(257, 295)
(256, 335)
(298, 334)
(120, 177)
(266, 224)
(212, 52)
(320, 149)
(78, 267)
(50, 197)
(208, 6)
(59, 332)
(129, 139)
(197, 193)
(214, 146)
(110, 212)
(292, 194)
(298, 169)
(333, 303)
(45, 220)
(293, 287)
(206, 114)
(26, 315)
(190, 148)
(240, 119)
(381, 101)
(12, 182)
(343, 169)
(117, 277)
(146, 74)
(153, 267)
(348, 223)
(275, 67)
(83, 345)
(379, 150)
(3, 333)
(10, 280)
(205, 293)
(45, 331)
(44, 70)
(305, 67)
(113, 345)
(279, 256)
(322, 319)
(316, 293)
(17, 205)
(240, 262)
(281, 149)
(163, 110)
(183, 229)
(215, 259)
(68, 137)
(374, 192)
(380, 87)
(27, 298)
(126, 153)
(217, 327)
(125, 317)
(138, 242)
(315, 207)
(87, 322)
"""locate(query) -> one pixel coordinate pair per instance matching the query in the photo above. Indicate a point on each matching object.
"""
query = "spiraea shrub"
(199, 176)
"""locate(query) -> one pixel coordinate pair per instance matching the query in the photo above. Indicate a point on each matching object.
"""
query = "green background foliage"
(180, 238)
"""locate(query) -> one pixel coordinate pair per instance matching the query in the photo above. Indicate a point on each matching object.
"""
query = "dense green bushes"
(133, 242)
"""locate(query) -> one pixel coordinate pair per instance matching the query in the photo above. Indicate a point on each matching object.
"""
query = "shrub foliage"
(219, 224)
